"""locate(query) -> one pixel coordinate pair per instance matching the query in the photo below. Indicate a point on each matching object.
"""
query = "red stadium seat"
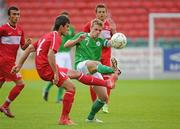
(130, 16)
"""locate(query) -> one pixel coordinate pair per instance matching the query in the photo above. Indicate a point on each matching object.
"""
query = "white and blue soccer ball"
(118, 40)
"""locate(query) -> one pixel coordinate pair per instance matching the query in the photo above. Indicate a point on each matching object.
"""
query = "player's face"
(95, 31)
(101, 14)
(14, 16)
(63, 30)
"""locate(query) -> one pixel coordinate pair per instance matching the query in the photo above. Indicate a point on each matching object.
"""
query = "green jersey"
(89, 48)
(65, 38)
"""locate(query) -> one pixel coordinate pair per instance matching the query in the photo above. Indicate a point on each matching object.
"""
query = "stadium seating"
(131, 16)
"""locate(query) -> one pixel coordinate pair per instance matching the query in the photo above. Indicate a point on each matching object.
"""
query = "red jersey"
(49, 41)
(10, 40)
(105, 33)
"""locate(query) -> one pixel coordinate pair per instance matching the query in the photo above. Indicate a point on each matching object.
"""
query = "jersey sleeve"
(86, 28)
(104, 42)
(76, 35)
(56, 42)
(35, 44)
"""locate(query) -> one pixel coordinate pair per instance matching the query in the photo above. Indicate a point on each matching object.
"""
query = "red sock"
(90, 80)
(93, 94)
(67, 102)
(13, 94)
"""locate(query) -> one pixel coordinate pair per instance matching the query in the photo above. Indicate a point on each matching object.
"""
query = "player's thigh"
(6, 75)
(92, 65)
(87, 66)
(73, 74)
(68, 85)
(62, 73)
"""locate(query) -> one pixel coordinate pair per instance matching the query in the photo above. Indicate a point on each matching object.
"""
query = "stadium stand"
(131, 16)
(3, 11)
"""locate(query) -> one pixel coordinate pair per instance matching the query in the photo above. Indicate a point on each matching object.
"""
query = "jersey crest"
(98, 43)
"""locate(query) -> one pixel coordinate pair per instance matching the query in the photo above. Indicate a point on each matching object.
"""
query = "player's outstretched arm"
(52, 63)
(71, 43)
(23, 58)
(28, 42)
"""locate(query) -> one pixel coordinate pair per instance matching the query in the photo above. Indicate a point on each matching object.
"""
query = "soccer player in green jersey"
(87, 60)
(109, 28)
(63, 59)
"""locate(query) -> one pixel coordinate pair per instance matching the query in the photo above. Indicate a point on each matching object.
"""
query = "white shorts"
(81, 67)
(63, 59)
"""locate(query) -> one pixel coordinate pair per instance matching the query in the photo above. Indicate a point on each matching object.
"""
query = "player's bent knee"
(103, 98)
(19, 82)
(70, 87)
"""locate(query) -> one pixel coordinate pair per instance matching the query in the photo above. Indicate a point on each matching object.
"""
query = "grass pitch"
(141, 104)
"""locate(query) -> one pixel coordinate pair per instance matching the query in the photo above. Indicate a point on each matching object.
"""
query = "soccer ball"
(118, 40)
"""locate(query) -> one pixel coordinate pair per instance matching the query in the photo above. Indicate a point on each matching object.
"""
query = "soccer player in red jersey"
(109, 28)
(63, 59)
(11, 37)
(45, 49)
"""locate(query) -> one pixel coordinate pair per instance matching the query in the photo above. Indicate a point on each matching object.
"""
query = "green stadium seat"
(175, 43)
(141, 42)
(130, 43)
(163, 43)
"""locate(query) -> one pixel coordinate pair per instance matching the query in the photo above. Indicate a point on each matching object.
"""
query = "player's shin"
(98, 104)
(67, 104)
(49, 85)
(104, 69)
(13, 94)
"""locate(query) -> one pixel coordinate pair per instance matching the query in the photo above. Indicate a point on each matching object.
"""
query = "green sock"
(104, 69)
(60, 93)
(98, 104)
(49, 85)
